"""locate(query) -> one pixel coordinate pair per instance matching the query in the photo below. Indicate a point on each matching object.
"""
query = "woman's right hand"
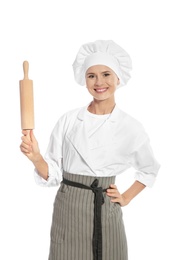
(29, 146)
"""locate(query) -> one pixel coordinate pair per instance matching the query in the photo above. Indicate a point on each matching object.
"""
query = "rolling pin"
(26, 100)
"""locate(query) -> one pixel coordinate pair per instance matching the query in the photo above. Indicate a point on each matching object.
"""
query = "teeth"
(101, 90)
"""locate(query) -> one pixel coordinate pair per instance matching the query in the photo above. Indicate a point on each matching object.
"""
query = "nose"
(99, 80)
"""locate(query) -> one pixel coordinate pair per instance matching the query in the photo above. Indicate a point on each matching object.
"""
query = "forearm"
(133, 191)
(30, 148)
(41, 167)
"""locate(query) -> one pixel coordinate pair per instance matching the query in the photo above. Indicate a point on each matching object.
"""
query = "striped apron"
(86, 225)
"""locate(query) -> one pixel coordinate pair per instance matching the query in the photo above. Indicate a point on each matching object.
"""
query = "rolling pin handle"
(25, 69)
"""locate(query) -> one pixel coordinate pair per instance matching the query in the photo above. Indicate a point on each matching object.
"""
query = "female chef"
(88, 148)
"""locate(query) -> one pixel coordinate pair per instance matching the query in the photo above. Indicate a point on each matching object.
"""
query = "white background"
(48, 34)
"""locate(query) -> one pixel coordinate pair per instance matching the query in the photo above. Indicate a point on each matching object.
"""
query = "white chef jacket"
(99, 145)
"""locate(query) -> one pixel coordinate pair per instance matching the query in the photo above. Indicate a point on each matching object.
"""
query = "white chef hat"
(102, 52)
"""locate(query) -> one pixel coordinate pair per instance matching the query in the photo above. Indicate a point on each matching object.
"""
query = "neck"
(101, 107)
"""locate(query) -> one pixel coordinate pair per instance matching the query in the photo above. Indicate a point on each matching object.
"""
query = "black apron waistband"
(98, 202)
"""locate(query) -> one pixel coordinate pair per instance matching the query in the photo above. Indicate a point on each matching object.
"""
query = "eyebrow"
(107, 71)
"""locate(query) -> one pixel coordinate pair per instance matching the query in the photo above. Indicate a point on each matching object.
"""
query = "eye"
(106, 74)
(91, 76)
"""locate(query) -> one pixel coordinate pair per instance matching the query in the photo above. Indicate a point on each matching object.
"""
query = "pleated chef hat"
(102, 52)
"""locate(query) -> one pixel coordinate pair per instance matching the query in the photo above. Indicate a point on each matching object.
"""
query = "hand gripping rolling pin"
(26, 100)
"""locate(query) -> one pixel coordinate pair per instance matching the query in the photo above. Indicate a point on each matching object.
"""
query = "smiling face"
(101, 82)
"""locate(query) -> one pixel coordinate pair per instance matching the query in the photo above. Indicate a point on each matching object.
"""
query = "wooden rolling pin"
(26, 100)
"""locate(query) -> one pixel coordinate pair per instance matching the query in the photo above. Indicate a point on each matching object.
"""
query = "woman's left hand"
(115, 195)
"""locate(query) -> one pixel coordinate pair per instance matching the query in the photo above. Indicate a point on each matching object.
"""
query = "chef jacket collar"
(112, 117)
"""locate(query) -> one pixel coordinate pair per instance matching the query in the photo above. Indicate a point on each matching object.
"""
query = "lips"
(100, 90)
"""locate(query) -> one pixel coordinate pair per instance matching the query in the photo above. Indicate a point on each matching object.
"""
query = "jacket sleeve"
(143, 160)
(53, 157)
